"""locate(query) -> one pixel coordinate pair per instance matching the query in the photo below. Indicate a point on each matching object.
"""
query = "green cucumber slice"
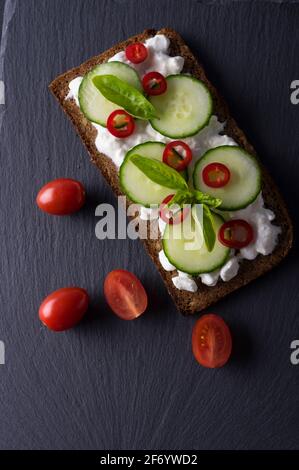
(92, 103)
(245, 177)
(193, 261)
(184, 109)
(135, 184)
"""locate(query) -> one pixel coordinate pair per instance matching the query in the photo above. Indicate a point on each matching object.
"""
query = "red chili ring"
(240, 233)
(120, 123)
(154, 83)
(177, 159)
(167, 215)
(215, 175)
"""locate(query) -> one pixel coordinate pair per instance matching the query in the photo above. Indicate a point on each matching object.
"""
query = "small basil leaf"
(194, 197)
(159, 172)
(206, 199)
(182, 197)
(208, 228)
(121, 93)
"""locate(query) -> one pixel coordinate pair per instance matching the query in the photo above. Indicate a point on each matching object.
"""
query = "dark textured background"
(115, 384)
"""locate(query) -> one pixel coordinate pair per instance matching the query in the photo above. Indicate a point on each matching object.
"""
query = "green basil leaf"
(182, 197)
(208, 228)
(159, 172)
(194, 197)
(124, 95)
(210, 201)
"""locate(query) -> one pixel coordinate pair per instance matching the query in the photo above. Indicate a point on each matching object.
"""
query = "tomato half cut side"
(211, 341)
(136, 53)
(177, 154)
(216, 175)
(154, 83)
(120, 123)
(125, 294)
(236, 233)
(172, 216)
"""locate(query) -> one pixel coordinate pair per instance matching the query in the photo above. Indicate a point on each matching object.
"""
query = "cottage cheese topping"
(184, 282)
(116, 148)
(158, 59)
(226, 273)
(74, 86)
(266, 233)
(211, 136)
(165, 262)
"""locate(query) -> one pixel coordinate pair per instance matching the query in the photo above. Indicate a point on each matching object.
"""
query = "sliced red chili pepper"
(216, 175)
(136, 53)
(172, 217)
(120, 123)
(236, 233)
(154, 83)
(177, 154)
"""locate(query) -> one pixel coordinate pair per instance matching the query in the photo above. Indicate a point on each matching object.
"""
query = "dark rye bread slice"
(186, 302)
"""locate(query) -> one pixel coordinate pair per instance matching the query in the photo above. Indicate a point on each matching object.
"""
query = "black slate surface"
(110, 384)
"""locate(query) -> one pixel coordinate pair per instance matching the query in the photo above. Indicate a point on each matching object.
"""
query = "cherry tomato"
(61, 197)
(125, 294)
(236, 233)
(177, 154)
(211, 341)
(136, 53)
(216, 175)
(64, 308)
(120, 123)
(154, 83)
(170, 216)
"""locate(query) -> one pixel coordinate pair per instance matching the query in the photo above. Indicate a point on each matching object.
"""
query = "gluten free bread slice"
(186, 302)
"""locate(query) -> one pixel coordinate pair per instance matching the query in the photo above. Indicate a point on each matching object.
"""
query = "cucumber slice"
(92, 103)
(135, 184)
(245, 177)
(183, 109)
(193, 261)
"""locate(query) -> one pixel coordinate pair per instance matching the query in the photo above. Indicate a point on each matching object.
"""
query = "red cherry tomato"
(211, 341)
(154, 83)
(216, 175)
(236, 233)
(136, 53)
(177, 154)
(125, 294)
(64, 308)
(120, 123)
(61, 197)
(172, 217)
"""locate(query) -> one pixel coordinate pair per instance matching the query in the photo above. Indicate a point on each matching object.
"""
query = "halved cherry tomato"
(62, 196)
(211, 341)
(236, 233)
(64, 308)
(216, 175)
(120, 123)
(177, 154)
(154, 83)
(125, 294)
(170, 216)
(136, 52)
